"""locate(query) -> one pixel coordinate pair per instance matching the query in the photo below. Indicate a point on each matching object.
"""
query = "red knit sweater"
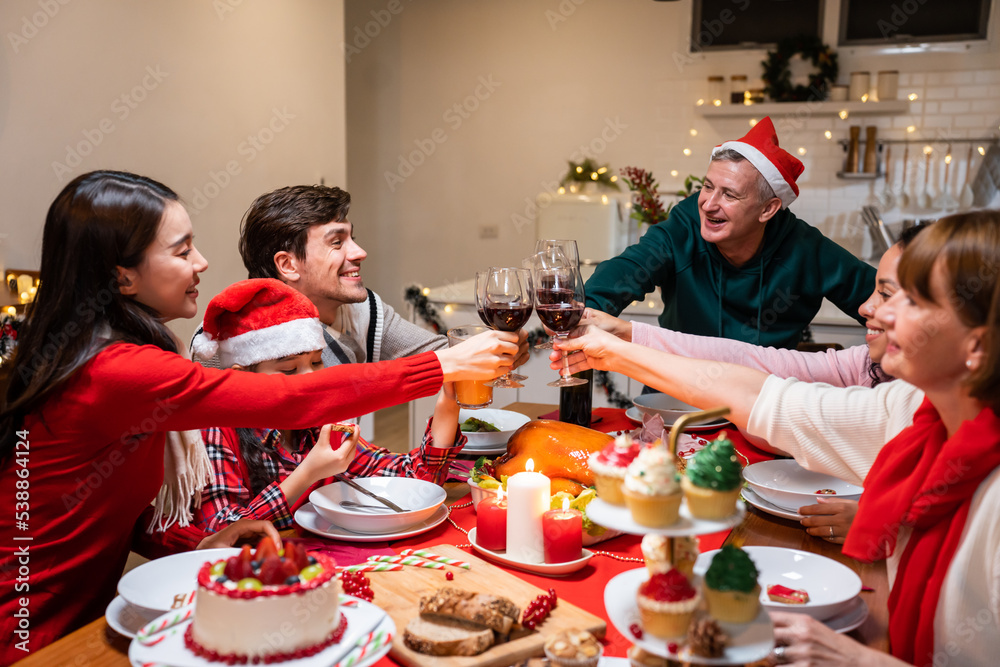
(95, 462)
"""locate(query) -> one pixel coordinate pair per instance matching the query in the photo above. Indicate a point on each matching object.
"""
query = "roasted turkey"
(558, 450)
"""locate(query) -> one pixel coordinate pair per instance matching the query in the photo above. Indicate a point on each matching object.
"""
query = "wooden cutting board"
(398, 593)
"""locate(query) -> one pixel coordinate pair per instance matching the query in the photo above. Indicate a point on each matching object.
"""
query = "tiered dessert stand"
(748, 642)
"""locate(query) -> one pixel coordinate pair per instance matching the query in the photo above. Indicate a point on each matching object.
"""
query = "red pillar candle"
(491, 522)
(563, 532)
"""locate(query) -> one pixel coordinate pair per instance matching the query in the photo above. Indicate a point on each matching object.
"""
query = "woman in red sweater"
(96, 382)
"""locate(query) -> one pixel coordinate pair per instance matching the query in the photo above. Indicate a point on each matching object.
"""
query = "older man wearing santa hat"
(732, 261)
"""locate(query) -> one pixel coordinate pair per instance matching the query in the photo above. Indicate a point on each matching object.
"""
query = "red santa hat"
(256, 320)
(778, 167)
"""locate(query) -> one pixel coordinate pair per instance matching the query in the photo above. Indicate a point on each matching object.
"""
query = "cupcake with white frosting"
(651, 488)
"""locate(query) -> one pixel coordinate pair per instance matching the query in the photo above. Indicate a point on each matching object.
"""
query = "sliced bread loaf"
(445, 637)
(481, 609)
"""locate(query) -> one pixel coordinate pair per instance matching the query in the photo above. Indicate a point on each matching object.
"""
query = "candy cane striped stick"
(372, 567)
(368, 645)
(146, 634)
(407, 560)
(424, 553)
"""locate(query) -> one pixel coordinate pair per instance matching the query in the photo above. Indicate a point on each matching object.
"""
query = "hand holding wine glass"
(559, 302)
(506, 306)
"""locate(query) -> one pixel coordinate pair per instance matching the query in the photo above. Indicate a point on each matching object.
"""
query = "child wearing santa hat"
(265, 326)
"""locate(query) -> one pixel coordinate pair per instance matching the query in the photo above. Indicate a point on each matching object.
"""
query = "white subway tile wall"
(948, 105)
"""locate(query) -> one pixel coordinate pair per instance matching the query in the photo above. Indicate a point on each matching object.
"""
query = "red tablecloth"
(583, 588)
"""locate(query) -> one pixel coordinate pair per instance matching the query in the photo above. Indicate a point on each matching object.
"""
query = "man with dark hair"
(301, 235)
(732, 261)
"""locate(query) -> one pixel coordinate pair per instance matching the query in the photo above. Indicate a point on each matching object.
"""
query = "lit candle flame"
(529, 465)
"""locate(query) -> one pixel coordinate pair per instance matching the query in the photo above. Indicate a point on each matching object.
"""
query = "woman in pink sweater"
(96, 383)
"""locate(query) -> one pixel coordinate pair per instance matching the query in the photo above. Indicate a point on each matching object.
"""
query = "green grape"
(249, 584)
(218, 568)
(310, 572)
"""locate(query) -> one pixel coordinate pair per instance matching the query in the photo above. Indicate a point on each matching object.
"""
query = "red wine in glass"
(506, 317)
(560, 316)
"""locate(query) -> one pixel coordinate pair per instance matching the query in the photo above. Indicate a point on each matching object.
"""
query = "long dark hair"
(254, 452)
(875, 371)
(100, 221)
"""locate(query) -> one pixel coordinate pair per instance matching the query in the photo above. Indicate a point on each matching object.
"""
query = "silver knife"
(341, 477)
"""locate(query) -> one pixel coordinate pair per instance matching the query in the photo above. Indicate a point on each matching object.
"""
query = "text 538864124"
(22, 507)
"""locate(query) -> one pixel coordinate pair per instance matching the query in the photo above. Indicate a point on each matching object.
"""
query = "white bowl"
(418, 497)
(787, 485)
(832, 586)
(505, 420)
(666, 406)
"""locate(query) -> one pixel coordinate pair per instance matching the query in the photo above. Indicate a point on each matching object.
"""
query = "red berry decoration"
(635, 630)
(449, 576)
(672, 647)
(357, 584)
(538, 609)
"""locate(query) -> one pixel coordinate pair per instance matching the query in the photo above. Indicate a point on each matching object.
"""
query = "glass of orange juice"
(470, 394)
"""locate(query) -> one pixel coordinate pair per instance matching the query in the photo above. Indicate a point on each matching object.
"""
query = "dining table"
(98, 645)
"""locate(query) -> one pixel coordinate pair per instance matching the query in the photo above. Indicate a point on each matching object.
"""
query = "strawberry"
(265, 548)
(271, 571)
(297, 555)
(238, 567)
(288, 569)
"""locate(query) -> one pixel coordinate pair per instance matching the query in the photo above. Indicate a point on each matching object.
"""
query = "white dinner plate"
(764, 506)
(620, 518)
(307, 517)
(832, 586)
(361, 617)
(125, 618)
(167, 583)
(749, 642)
(547, 569)
(851, 618)
(635, 414)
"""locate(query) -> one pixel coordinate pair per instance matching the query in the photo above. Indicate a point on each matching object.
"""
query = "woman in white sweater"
(931, 492)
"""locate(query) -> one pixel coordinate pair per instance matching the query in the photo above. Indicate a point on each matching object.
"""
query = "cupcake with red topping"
(667, 601)
(609, 465)
(652, 492)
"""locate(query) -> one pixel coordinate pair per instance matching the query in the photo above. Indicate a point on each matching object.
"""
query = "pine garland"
(414, 295)
(617, 399)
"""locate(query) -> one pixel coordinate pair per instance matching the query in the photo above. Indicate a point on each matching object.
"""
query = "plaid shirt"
(227, 497)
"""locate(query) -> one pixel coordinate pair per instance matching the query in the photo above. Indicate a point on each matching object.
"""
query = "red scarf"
(924, 480)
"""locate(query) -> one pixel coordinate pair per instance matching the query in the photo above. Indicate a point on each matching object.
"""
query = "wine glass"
(481, 279)
(507, 307)
(559, 301)
(552, 252)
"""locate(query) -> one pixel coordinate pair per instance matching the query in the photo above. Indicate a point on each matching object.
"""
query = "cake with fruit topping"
(731, 587)
(651, 491)
(609, 465)
(712, 481)
(667, 601)
(266, 606)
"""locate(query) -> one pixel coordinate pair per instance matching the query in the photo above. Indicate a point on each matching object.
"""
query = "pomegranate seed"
(672, 647)
(449, 576)
(635, 630)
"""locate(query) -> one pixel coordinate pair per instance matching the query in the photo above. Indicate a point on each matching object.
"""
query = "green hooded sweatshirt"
(767, 301)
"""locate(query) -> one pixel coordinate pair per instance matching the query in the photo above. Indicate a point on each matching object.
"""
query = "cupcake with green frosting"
(731, 587)
(712, 481)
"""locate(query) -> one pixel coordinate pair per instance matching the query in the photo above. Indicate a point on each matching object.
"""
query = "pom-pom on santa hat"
(256, 320)
(778, 167)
